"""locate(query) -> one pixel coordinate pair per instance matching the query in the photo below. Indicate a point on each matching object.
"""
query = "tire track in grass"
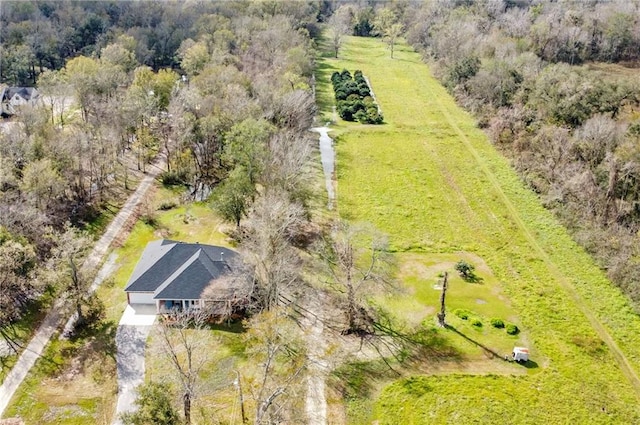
(618, 354)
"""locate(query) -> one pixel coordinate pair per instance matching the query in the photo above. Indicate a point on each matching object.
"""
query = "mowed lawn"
(432, 181)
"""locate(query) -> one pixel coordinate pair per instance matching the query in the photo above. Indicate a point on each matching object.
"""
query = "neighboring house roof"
(177, 270)
(26, 93)
(14, 96)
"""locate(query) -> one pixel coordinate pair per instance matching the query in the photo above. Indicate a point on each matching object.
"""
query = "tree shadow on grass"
(419, 346)
(235, 327)
(471, 278)
(399, 352)
(99, 334)
(489, 352)
(356, 380)
(89, 344)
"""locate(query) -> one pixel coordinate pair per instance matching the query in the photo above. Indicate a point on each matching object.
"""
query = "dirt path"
(51, 322)
(618, 355)
(318, 366)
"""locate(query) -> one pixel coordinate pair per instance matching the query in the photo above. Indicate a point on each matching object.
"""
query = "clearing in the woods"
(432, 181)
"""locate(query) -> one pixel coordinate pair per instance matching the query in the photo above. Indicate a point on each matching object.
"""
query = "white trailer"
(520, 354)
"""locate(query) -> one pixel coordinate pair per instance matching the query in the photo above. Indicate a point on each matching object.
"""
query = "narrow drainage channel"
(328, 159)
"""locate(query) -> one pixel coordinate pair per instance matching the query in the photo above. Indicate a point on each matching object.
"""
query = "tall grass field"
(431, 180)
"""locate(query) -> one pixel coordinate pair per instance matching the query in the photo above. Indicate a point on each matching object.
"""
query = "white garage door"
(141, 298)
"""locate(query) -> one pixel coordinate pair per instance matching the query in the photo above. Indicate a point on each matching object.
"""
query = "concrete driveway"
(131, 338)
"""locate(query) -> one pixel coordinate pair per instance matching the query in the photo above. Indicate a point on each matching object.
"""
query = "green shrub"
(363, 91)
(361, 116)
(167, 205)
(149, 220)
(512, 329)
(497, 323)
(373, 116)
(462, 313)
(466, 270)
(172, 178)
(335, 79)
(353, 98)
(341, 94)
(477, 323)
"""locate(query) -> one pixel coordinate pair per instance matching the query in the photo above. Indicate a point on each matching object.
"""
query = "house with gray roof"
(180, 276)
(11, 98)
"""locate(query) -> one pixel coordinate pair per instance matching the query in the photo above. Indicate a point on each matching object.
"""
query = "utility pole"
(442, 296)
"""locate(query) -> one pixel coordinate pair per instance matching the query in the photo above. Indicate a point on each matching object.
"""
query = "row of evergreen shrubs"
(353, 97)
(497, 323)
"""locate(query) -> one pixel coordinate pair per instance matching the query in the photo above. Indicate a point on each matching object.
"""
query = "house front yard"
(75, 381)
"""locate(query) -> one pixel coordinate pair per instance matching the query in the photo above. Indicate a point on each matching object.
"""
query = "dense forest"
(219, 93)
(557, 89)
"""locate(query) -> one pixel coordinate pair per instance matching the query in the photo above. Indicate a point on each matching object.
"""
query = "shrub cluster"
(167, 205)
(512, 329)
(476, 322)
(172, 178)
(353, 97)
(497, 323)
(462, 313)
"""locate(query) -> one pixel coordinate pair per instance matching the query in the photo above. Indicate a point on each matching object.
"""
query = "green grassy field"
(431, 180)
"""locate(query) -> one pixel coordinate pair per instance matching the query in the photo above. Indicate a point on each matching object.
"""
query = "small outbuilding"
(172, 275)
(520, 354)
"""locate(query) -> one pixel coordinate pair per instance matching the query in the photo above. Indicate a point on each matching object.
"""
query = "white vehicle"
(520, 354)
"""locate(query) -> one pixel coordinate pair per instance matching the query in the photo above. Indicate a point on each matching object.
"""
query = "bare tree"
(274, 345)
(66, 265)
(17, 284)
(289, 153)
(357, 260)
(386, 25)
(271, 225)
(340, 24)
(185, 350)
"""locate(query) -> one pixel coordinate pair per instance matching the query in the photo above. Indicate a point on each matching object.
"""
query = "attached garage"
(140, 298)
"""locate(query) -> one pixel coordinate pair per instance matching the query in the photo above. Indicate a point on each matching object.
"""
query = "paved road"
(51, 322)
(131, 339)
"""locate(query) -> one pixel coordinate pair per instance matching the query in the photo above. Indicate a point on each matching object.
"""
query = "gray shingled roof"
(27, 93)
(176, 270)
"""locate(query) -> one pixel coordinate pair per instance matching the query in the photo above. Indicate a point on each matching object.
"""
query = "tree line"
(535, 77)
(227, 109)
(223, 92)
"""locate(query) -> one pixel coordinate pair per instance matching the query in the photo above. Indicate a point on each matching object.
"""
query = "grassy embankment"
(75, 381)
(432, 181)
